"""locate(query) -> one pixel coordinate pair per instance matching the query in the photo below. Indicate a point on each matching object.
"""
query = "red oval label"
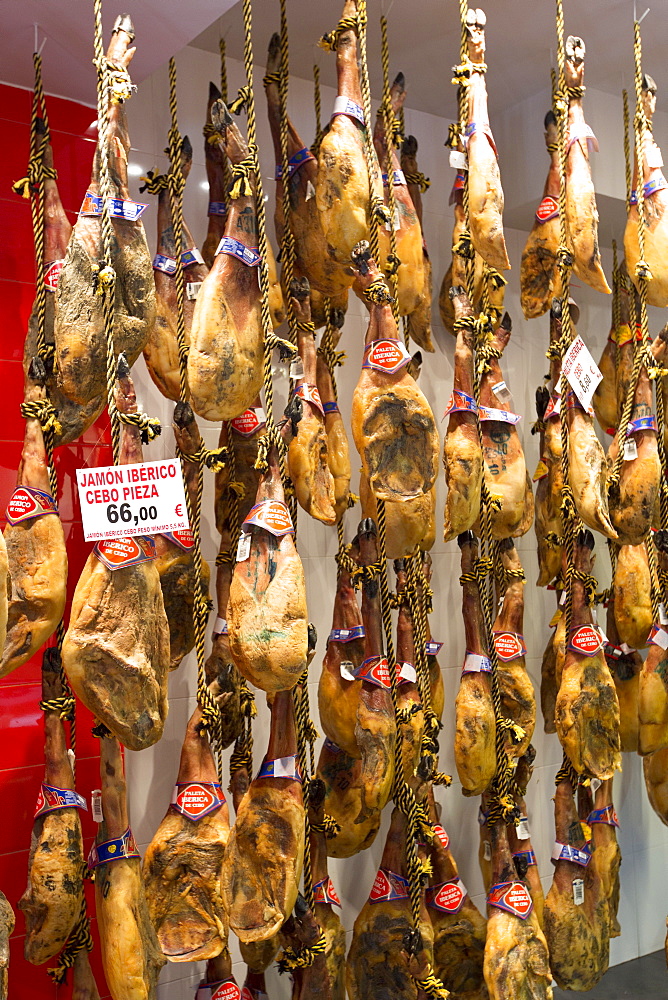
(508, 645)
(247, 423)
(548, 209)
(387, 355)
(586, 640)
(512, 897)
(273, 515)
(440, 833)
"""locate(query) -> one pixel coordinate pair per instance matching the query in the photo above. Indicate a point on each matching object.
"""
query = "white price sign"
(142, 499)
(581, 371)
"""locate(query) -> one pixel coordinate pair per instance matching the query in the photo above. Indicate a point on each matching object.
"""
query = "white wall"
(643, 839)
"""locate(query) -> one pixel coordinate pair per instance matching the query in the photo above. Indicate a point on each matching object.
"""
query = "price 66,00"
(124, 513)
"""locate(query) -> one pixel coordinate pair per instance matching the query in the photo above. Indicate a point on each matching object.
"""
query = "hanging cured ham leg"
(409, 703)
(459, 927)
(345, 788)
(548, 686)
(407, 524)
(576, 911)
(175, 560)
(407, 228)
(325, 896)
(83, 981)
(518, 701)
(437, 690)
(161, 352)
(539, 277)
(616, 362)
(264, 855)
(226, 343)
(182, 864)
(35, 543)
(655, 208)
(375, 728)
(52, 900)
(653, 688)
(393, 426)
(267, 609)
(338, 457)
(632, 595)
(338, 691)
(342, 190)
(378, 964)
(308, 462)
(655, 770)
(519, 839)
(131, 955)
(505, 468)
(7, 922)
(485, 191)
(625, 666)
(301, 931)
(462, 452)
(549, 491)
(606, 856)
(73, 418)
(79, 323)
(587, 710)
(116, 649)
(419, 321)
(516, 957)
(475, 732)
(223, 678)
(581, 210)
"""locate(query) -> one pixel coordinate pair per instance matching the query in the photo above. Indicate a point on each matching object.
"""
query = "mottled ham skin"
(393, 427)
(326, 914)
(344, 786)
(577, 935)
(161, 352)
(73, 418)
(419, 321)
(581, 210)
(51, 902)
(342, 191)
(587, 469)
(267, 607)
(548, 686)
(222, 677)
(626, 673)
(475, 723)
(116, 648)
(539, 277)
(632, 597)
(587, 710)
(516, 963)
(606, 857)
(652, 703)
(7, 922)
(654, 211)
(616, 362)
(485, 191)
(265, 851)
(655, 770)
(549, 488)
(227, 343)
(181, 867)
(338, 455)
(79, 322)
(36, 554)
(131, 955)
(407, 524)
(462, 449)
(301, 930)
(378, 965)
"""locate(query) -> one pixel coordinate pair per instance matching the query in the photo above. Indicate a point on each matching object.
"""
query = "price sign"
(581, 371)
(123, 500)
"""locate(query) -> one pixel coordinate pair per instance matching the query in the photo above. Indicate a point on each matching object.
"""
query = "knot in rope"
(517, 733)
(589, 583)
(306, 327)
(397, 132)
(418, 178)
(210, 133)
(565, 258)
(404, 715)
(364, 574)
(330, 39)
(329, 827)
(154, 182)
(553, 540)
(464, 246)
(270, 78)
(552, 147)
(495, 278)
(380, 211)
(643, 271)
(568, 503)
(353, 500)
(393, 263)
(241, 758)
(440, 778)
(43, 411)
(461, 74)
(247, 702)
(150, 427)
(454, 132)
(287, 350)
(242, 173)
(104, 278)
(432, 986)
(241, 101)
(378, 293)
(304, 958)
(64, 706)
(345, 561)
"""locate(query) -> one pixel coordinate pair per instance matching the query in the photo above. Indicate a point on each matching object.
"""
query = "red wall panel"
(21, 735)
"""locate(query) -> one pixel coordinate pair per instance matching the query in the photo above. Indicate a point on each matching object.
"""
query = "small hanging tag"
(96, 805)
(406, 673)
(192, 289)
(487, 851)
(458, 160)
(578, 891)
(396, 221)
(297, 368)
(522, 829)
(220, 627)
(281, 767)
(501, 391)
(581, 371)
(243, 547)
(476, 663)
(630, 450)
(554, 620)
(658, 637)
(347, 669)
(553, 407)
(310, 191)
(433, 648)
(541, 471)
(562, 599)
(663, 616)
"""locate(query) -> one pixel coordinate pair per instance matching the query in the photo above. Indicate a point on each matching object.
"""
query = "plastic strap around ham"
(472, 128)
(607, 816)
(26, 503)
(310, 392)
(461, 402)
(374, 670)
(504, 416)
(433, 648)
(513, 897)
(331, 746)
(448, 897)
(344, 106)
(217, 208)
(641, 424)
(223, 989)
(331, 407)
(324, 892)
(295, 162)
(282, 767)
(460, 179)
(476, 663)
(528, 856)
(272, 515)
(113, 850)
(220, 627)
(239, 250)
(196, 799)
(346, 634)
(616, 652)
(582, 131)
(651, 187)
(51, 799)
(398, 178)
(388, 885)
(565, 852)
(118, 208)
(658, 636)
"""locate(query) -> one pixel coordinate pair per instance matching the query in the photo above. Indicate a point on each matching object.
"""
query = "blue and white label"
(433, 648)
(398, 178)
(282, 767)
(236, 249)
(475, 663)
(117, 208)
(344, 106)
(294, 163)
(503, 416)
(566, 852)
(346, 634)
(217, 208)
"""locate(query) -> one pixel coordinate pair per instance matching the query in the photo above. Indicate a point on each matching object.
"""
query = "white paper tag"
(487, 851)
(96, 805)
(578, 891)
(581, 371)
(346, 669)
(408, 673)
(220, 626)
(523, 829)
(296, 368)
(458, 160)
(653, 157)
(192, 289)
(660, 638)
(501, 391)
(630, 449)
(397, 220)
(284, 767)
(243, 548)
(594, 784)
(310, 191)
(663, 617)
(562, 599)
(119, 501)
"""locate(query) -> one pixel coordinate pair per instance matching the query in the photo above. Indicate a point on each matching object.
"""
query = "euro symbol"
(177, 510)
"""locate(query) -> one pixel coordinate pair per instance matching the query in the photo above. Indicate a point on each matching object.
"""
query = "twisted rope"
(393, 262)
